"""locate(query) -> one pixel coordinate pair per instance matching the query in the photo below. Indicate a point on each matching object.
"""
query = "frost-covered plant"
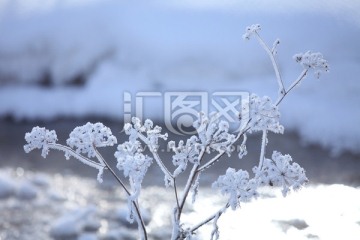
(200, 152)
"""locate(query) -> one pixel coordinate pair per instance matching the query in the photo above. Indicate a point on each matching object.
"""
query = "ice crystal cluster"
(312, 60)
(199, 152)
(250, 30)
(133, 163)
(280, 171)
(212, 136)
(87, 138)
(237, 185)
(40, 138)
(264, 115)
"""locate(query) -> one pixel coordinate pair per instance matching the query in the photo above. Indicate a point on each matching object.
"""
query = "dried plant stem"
(167, 173)
(102, 163)
(190, 181)
(294, 84)
(187, 188)
(263, 149)
(68, 151)
(211, 162)
(221, 153)
(157, 158)
(274, 63)
(214, 139)
(209, 219)
(176, 194)
(135, 204)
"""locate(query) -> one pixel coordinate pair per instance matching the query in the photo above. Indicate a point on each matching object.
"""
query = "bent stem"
(209, 219)
(282, 91)
(102, 164)
(157, 158)
(70, 152)
(263, 149)
(294, 84)
(180, 204)
(221, 153)
(274, 63)
(211, 162)
(193, 174)
(191, 179)
(160, 163)
(139, 218)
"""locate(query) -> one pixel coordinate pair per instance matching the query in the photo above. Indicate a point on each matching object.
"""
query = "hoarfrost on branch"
(200, 152)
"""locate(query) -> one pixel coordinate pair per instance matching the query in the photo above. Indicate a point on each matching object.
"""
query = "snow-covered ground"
(119, 46)
(69, 207)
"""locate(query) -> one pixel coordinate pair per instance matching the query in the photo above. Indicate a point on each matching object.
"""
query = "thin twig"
(263, 149)
(101, 159)
(211, 162)
(137, 209)
(294, 84)
(220, 154)
(191, 179)
(77, 156)
(176, 194)
(217, 214)
(102, 163)
(157, 158)
(162, 166)
(274, 63)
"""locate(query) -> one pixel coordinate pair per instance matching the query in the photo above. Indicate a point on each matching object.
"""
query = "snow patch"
(7, 187)
(73, 223)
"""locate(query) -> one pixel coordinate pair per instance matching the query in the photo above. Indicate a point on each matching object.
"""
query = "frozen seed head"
(132, 162)
(40, 138)
(237, 186)
(85, 138)
(264, 115)
(280, 171)
(310, 60)
(250, 30)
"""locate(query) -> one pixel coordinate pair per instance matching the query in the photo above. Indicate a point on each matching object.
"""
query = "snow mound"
(7, 188)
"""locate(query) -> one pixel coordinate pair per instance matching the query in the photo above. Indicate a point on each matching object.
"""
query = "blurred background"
(64, 63)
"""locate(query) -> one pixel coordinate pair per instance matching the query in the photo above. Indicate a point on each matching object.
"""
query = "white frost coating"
(85, 138)
(253, 30)
(243, 150)
(312, 60)
(133, 163)
(237, 186)
(100, 175)
(264, 115)
(213, 140)
(184, 153)
(281, 172)
(195, 188)
(215, 234)
(70, 153)
(40, 138)
(250, 30)
(213, 133)
(136, 131)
